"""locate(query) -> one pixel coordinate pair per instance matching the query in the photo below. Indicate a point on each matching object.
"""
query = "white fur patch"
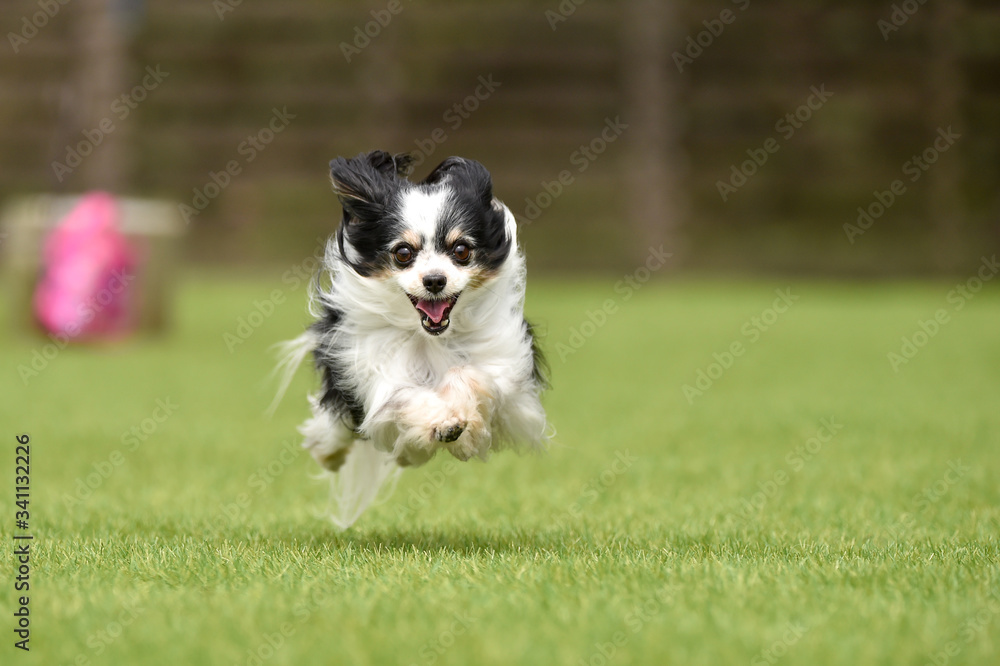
(421, 211)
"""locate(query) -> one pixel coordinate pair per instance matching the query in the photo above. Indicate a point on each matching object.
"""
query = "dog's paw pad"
(449, 432)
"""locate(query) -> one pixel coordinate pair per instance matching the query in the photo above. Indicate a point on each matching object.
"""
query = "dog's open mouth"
(434, 313)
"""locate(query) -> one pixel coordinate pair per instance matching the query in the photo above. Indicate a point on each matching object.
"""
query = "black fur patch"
(369, 188)
(540, 367)
(336, 398)
(471, 211)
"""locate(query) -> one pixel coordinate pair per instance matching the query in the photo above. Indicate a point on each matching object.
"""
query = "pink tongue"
(433, 309)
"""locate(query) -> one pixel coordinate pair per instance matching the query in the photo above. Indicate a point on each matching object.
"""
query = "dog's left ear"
(399, 164)
(364, 184)
(470, 173)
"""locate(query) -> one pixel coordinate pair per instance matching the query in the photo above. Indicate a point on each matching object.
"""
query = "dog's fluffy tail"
(368, 475)
(290, 356)
(362, 479)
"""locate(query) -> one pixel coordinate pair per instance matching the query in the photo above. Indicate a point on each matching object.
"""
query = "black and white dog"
(420, 335)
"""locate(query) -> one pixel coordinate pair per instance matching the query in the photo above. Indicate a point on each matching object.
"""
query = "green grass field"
(810, 506)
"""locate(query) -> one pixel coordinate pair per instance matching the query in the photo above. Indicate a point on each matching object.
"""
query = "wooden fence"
(609, 126)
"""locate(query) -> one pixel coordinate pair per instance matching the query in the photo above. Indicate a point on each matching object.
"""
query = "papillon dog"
(420, 338)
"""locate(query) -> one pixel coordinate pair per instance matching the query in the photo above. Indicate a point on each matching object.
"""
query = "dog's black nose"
(435, 282)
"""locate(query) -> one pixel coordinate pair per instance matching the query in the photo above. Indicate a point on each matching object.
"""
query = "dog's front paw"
(427, 423)
(450, 430)
(473, 441)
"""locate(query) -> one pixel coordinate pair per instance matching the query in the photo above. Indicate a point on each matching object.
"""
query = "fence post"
(945, 88)
(100, 78)
(381, 83)
(655, 202)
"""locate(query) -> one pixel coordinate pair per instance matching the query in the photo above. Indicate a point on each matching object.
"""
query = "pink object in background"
(87, 270)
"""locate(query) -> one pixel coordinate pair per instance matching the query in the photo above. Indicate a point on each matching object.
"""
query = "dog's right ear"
(469, 172)
(364, 184)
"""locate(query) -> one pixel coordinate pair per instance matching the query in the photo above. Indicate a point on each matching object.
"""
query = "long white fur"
(479, 370)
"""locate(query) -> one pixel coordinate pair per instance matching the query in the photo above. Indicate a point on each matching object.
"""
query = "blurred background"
(609, 127)
(839, 156)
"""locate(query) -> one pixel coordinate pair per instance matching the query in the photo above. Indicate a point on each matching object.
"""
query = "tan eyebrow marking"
(413, 238)
(453, 236)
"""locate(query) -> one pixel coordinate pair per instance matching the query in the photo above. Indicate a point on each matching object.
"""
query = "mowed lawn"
(811, 504)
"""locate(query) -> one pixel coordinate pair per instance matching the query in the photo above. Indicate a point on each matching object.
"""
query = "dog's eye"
(403, 255)
(461, 252)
